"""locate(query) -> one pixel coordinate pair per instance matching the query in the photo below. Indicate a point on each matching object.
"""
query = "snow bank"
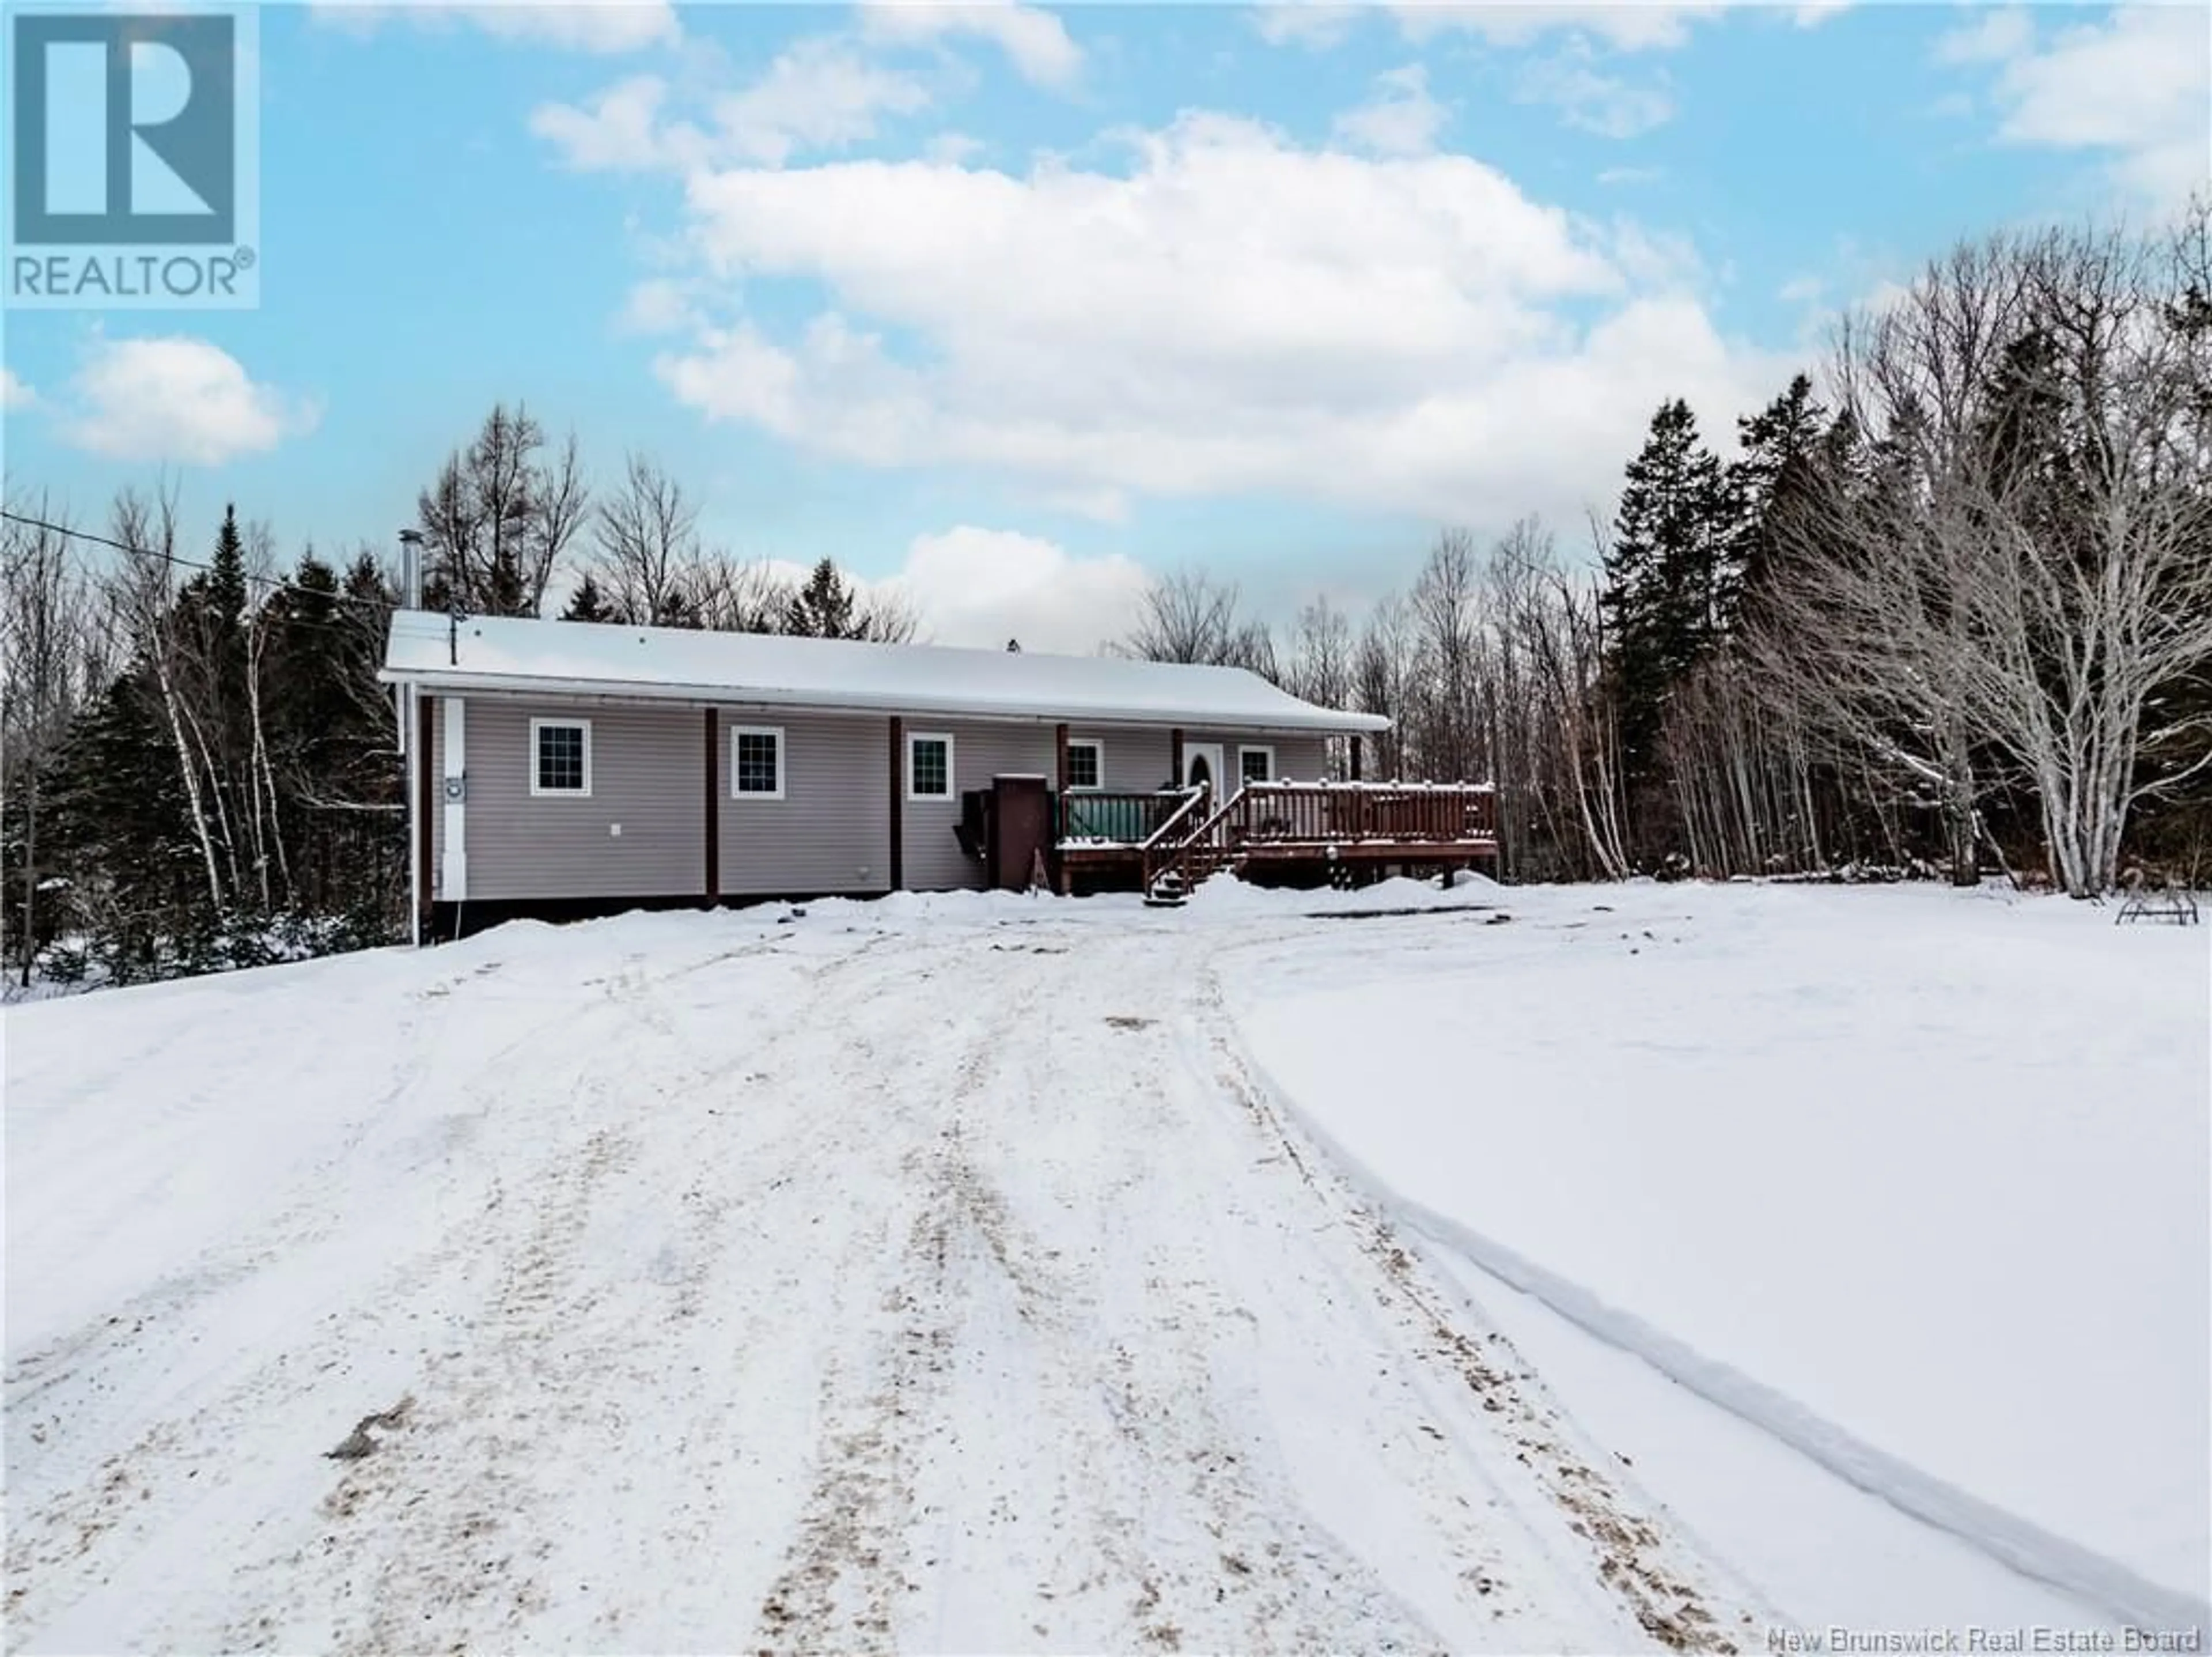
(1915, 1181)
(1224, 897)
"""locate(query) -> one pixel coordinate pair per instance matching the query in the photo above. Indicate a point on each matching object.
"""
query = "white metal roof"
(505, 654)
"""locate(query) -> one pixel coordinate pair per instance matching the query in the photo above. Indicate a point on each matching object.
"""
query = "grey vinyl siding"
(934, 862)
(1134, 758)
(831, 832)
(647, 776)
(1299, 759)
(1144, 756)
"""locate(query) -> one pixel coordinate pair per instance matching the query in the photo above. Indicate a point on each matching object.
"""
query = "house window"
(1256, 764)
(1086, 764)
(928, 767)
(561, 757)
(757, 762)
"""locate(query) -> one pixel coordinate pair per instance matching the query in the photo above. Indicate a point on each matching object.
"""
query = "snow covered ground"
(923, 1273)
(1914, 1183)
(995, 1274)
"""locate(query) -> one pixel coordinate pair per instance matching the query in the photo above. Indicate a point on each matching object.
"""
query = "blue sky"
(1014, 306)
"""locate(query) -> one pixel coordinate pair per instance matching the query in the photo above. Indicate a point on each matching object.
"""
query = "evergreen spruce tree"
(2025, 425)
(587, 604)
(1784, 449)
(1663, 590)
(122, 833)
(824, 608)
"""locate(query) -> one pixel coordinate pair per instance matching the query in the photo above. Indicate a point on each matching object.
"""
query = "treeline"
(508, 514)
(1956, 616)
(199, 769)
(1949, 610)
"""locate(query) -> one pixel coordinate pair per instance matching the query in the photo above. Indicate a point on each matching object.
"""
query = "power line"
(275, 583)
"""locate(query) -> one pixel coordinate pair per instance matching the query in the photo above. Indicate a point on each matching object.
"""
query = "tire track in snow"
(2020, 1545)
(846, 1571)
(116, 1506)
(1654, 1575)
(2098, 1582)
(511, 1438)
(1044, 1338)
(1183, 1526)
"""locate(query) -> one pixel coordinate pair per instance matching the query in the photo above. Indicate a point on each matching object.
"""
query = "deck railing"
(1262, 813)
(1108, 817)
(1290, 819)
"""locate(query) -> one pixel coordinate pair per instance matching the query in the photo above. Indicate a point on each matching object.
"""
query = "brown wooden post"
(714, 814)
(1059, 806)
(898, 803)
(1175, 747)
(431, 802)
(1356, 740)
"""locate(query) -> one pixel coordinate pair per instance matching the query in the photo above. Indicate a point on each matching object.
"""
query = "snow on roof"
(492, 653)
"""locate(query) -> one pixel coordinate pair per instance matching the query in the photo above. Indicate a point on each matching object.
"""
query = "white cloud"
(1232, 313)
(619, 129)
(659, 305)
(1402, 120)
(982, 586)
(1626, 25)
(953, 147)
(15, 392)
(2000, 33)
(1035, 41)
(1317, 25)
(2135, 85)
(178, 399)
(1589, 98)
(603, 26)
(819, 93)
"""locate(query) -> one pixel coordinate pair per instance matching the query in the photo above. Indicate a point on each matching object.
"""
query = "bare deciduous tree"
(498, 520)
(1186, 617)
(1449, 644)
(648, 557)
(44, 658)
(1383, 677)
(144, 597)
(2026, 571)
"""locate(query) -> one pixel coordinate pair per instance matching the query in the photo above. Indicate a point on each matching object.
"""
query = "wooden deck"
(1327, 830)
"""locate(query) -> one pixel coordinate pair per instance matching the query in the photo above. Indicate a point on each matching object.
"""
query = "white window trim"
(951, 777)
(781, 753)
(538, 793)
(1243, 749)
(1097, 747)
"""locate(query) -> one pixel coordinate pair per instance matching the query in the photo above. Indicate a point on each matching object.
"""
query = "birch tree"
(43, 616)
(145, 598)
(2023, 581)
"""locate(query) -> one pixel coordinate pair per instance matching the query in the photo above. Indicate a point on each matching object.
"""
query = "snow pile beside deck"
(1918, 1179)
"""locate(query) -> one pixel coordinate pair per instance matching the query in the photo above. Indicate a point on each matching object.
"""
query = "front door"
(1201, 767)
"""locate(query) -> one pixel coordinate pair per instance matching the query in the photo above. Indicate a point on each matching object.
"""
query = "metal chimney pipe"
(411, 567)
